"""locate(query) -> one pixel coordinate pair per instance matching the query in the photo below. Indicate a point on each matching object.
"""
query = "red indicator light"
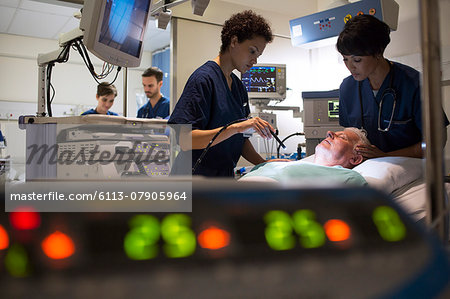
(4, 239)
(58, 246)
(337, 230)
(213, 238)
(25, 218)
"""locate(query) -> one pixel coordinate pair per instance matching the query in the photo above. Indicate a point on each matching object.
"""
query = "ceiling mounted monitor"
(114, 29)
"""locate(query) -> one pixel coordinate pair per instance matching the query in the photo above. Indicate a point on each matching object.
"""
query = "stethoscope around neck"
(390, 91)
(146, 113)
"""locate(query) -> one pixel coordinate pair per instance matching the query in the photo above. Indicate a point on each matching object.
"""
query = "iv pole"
(433, 118)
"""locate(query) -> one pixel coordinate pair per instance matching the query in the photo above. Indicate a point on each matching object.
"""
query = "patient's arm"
(371, 151)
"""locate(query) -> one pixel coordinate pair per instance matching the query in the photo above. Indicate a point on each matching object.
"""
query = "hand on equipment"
(261, 127)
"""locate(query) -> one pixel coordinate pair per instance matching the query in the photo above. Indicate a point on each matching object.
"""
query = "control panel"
(329, 23)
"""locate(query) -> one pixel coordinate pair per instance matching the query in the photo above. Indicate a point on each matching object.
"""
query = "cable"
(294, 134)
(49, 78)
(271, 146)
(63, 56)
(266, 146)
(277, 139)
(199, 160)
(106, 68)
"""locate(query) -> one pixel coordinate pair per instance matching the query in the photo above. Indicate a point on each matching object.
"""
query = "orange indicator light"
(25, 218)
(337, 230)
(213, 238)
(58, 246)
(4, 239)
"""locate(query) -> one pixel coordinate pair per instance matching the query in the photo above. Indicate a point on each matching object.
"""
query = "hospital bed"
(400, 177)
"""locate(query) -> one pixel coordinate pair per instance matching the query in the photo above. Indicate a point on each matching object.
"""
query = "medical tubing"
(293, 134)
(271, 146)
(199, 160)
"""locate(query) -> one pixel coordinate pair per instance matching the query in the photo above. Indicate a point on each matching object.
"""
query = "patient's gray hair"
(361, 133)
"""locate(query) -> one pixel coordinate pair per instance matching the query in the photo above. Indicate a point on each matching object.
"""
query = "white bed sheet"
(400, 177)
(412, 198)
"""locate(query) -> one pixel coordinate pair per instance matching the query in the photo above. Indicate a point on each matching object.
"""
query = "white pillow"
(390, 173)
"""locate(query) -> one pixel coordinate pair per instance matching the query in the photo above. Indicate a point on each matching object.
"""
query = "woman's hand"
(261, 127)
(370, 151)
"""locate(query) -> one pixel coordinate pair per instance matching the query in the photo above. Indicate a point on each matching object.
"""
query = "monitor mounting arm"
(44, 60)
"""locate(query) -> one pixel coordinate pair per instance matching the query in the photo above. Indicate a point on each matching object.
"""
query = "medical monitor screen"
(333, 109)
(123, 25)
(260, 79)
(265, 81)
(114, 29)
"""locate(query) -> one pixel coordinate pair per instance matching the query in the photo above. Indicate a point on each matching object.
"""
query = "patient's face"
(336, 148)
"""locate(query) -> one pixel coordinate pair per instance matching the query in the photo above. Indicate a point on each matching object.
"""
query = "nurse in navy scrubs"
(381, 96)
(106, 93)
(214, 97)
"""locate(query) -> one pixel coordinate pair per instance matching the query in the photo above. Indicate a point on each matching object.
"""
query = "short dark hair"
(106, 88)
(363, 35)
(245, 25)
(153, 71)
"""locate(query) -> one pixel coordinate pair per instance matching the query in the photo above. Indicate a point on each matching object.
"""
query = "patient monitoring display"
(260, 79)
(265, 81)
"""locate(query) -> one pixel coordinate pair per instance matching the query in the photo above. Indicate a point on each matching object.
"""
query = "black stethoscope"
(155, 109)
(387, 92)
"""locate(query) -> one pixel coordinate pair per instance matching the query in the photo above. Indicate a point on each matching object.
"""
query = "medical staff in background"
(380, 96)
(157, 105)
(106, 93)
(214, 97)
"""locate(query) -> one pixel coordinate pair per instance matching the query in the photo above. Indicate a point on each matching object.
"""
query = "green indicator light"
(278, 231)
(178, 236)
(389, 224)
(312, 234)
(16, 261)
(140, 242)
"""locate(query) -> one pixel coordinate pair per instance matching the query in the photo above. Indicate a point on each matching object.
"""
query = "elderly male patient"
(334, 158)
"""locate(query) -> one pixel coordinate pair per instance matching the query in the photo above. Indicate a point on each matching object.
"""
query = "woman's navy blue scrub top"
(93, 111)
(207, 103)
(406, 126)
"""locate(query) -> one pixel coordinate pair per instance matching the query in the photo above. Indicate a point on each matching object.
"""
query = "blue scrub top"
(93, 111)
(207, 103)
(161, 109)
(406, 126)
